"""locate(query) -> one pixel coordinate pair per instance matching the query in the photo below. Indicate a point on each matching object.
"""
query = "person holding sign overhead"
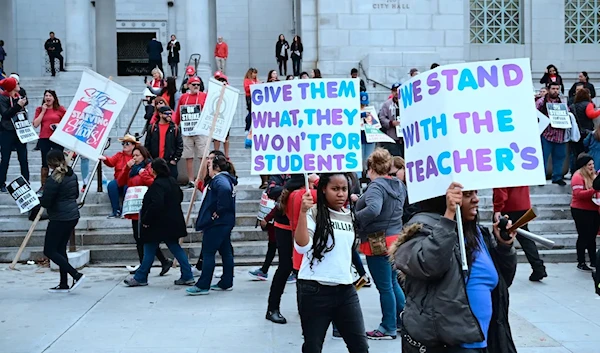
(48, 115)
(553, 138)
(164, 140)
(389, 117)
(188, 111)
(11, 105)
(451, 310)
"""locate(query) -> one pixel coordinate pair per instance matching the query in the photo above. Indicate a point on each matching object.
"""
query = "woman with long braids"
(60, 200)
(449, 310)
(325, 235)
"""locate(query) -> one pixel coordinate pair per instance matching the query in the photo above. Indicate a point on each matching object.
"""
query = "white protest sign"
(24, 196)
(372, 126)
(190, 117)
(132, 202)
(543, 121)
(226, 111)
(93, 111)
(23, 128)
(558, 115)
(306, 126)
(471, 123)
(266, 206)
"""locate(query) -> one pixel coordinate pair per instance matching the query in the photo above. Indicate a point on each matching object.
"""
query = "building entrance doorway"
(131, 53)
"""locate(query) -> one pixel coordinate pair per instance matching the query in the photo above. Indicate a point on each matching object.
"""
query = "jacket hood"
(232, 179)
(411, 229)
(391, 186)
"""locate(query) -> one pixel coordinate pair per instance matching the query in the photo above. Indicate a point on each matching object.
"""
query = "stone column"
(7, 28)
(76, 44)
(106, 37)
(198, 20)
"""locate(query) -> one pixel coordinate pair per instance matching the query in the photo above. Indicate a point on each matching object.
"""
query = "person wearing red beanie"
(11, 104)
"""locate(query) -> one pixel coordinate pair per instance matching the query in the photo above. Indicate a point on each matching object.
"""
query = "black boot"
(275, 317)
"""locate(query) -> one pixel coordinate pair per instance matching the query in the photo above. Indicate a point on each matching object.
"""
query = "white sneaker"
(196, 272)
(77, 283)
(132, 268)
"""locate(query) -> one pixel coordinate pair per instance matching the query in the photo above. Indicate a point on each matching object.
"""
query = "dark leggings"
(271, 250)
(135, 224)
(45, 146)
(587, 223)
(282, 66)
(284, 247)
(55, 247)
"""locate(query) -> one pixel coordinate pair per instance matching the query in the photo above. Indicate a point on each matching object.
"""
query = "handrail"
(137, 109)
(81, 203)
(195, 58)
(364, 74)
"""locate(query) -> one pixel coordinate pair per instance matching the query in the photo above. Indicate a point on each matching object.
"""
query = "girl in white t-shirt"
(325, 235)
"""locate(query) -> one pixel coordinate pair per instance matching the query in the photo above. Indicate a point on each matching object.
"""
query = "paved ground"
(560, 315)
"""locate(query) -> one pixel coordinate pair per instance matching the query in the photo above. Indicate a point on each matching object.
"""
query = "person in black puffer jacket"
(60, 200)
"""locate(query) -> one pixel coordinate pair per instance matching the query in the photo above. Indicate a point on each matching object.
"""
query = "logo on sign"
(90, 118)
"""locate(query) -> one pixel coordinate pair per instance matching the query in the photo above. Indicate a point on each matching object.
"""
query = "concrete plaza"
(560, 315)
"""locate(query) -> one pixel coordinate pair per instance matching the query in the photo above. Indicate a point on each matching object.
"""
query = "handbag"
(377, 243)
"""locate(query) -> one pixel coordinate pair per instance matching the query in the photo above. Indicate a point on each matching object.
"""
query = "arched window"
(581, 21)
(495, 21)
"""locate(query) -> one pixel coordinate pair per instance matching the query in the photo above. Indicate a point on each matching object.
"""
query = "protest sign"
(306, 126)
(226, 111)
(266, 205)
(372, 126)
(24, 196)
(91, 115)
(543, 121)
(190, 117)
(472, 123)
(558, 115)
(23, 128)
(132, 202)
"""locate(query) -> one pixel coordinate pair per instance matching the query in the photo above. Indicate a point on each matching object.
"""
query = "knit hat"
(16, 77)
(8, 84)
(583, 160)
(364, 98)
(190, 70)
(165, 109)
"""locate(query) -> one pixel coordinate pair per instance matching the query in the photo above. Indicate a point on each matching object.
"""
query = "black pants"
(296, 65)
(8, 141)
(587, 223)
(271, 250)
(282, 66)
(61, 62)
(45, 146)
(321, 305)
(55, 247)
(407, 348)
(284, 246)
(154, 64)
(173, 170)
(139, 245)
(528, 245)
(201, 258)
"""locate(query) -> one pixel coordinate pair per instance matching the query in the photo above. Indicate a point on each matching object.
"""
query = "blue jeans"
(115, 192)
(217, 238)
(85, 168)
(558, 151)
(141, 275)
(391, 296)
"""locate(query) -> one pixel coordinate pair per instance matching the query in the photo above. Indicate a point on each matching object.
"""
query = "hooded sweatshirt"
(219, 199)
(380, 209)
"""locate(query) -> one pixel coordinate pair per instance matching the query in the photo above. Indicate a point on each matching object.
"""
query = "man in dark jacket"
(154, 50)
(164, 140)
(54, 49)
(389, 116)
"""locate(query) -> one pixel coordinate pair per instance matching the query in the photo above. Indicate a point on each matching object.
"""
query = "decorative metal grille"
(581, 21)
(495, 21)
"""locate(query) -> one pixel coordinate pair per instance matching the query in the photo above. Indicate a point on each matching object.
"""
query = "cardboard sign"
(470, 123)
(226, 111)
(372, 126)
(306, 126)
(21, 192)
(558, 115)
(266, 206)
(23, 128)
(132, 203)
(91, 115)
(190, 117)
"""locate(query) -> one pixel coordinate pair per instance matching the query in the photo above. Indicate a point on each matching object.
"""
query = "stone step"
(543, 213)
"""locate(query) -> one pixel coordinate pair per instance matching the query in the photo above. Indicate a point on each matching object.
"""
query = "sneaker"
(537, 276)
(258, 275)
(217, 288)
(189, 185)
(114, 215)
(77, 282)
(193, 290)
(184, 282)
(83, 188)
(559, 182)
(336, 335)
(196, 272)
(378, 335)
(59, 289)
(132, 268)
(3, 190)
(583, 267)
(166, 267)
(131, 282)
(291, 279)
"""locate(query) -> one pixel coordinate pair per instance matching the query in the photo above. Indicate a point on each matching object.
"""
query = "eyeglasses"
(393, 174)
(126, 143)
(196, 84)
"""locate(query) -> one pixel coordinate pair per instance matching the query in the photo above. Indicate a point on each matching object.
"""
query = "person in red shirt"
(585, 211)
(47, 117)
(514, 203)
(119, 161)
(193, 144)
(221, 54)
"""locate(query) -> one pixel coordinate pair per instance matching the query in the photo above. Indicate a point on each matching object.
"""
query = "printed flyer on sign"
(558, 115)
(306, 126)
(190, 117)
(372, 126)
(23, 128)
(132, 202)
(24, 196)
(93, 112)
(266, 206)
(226, 111)
(472, 123)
